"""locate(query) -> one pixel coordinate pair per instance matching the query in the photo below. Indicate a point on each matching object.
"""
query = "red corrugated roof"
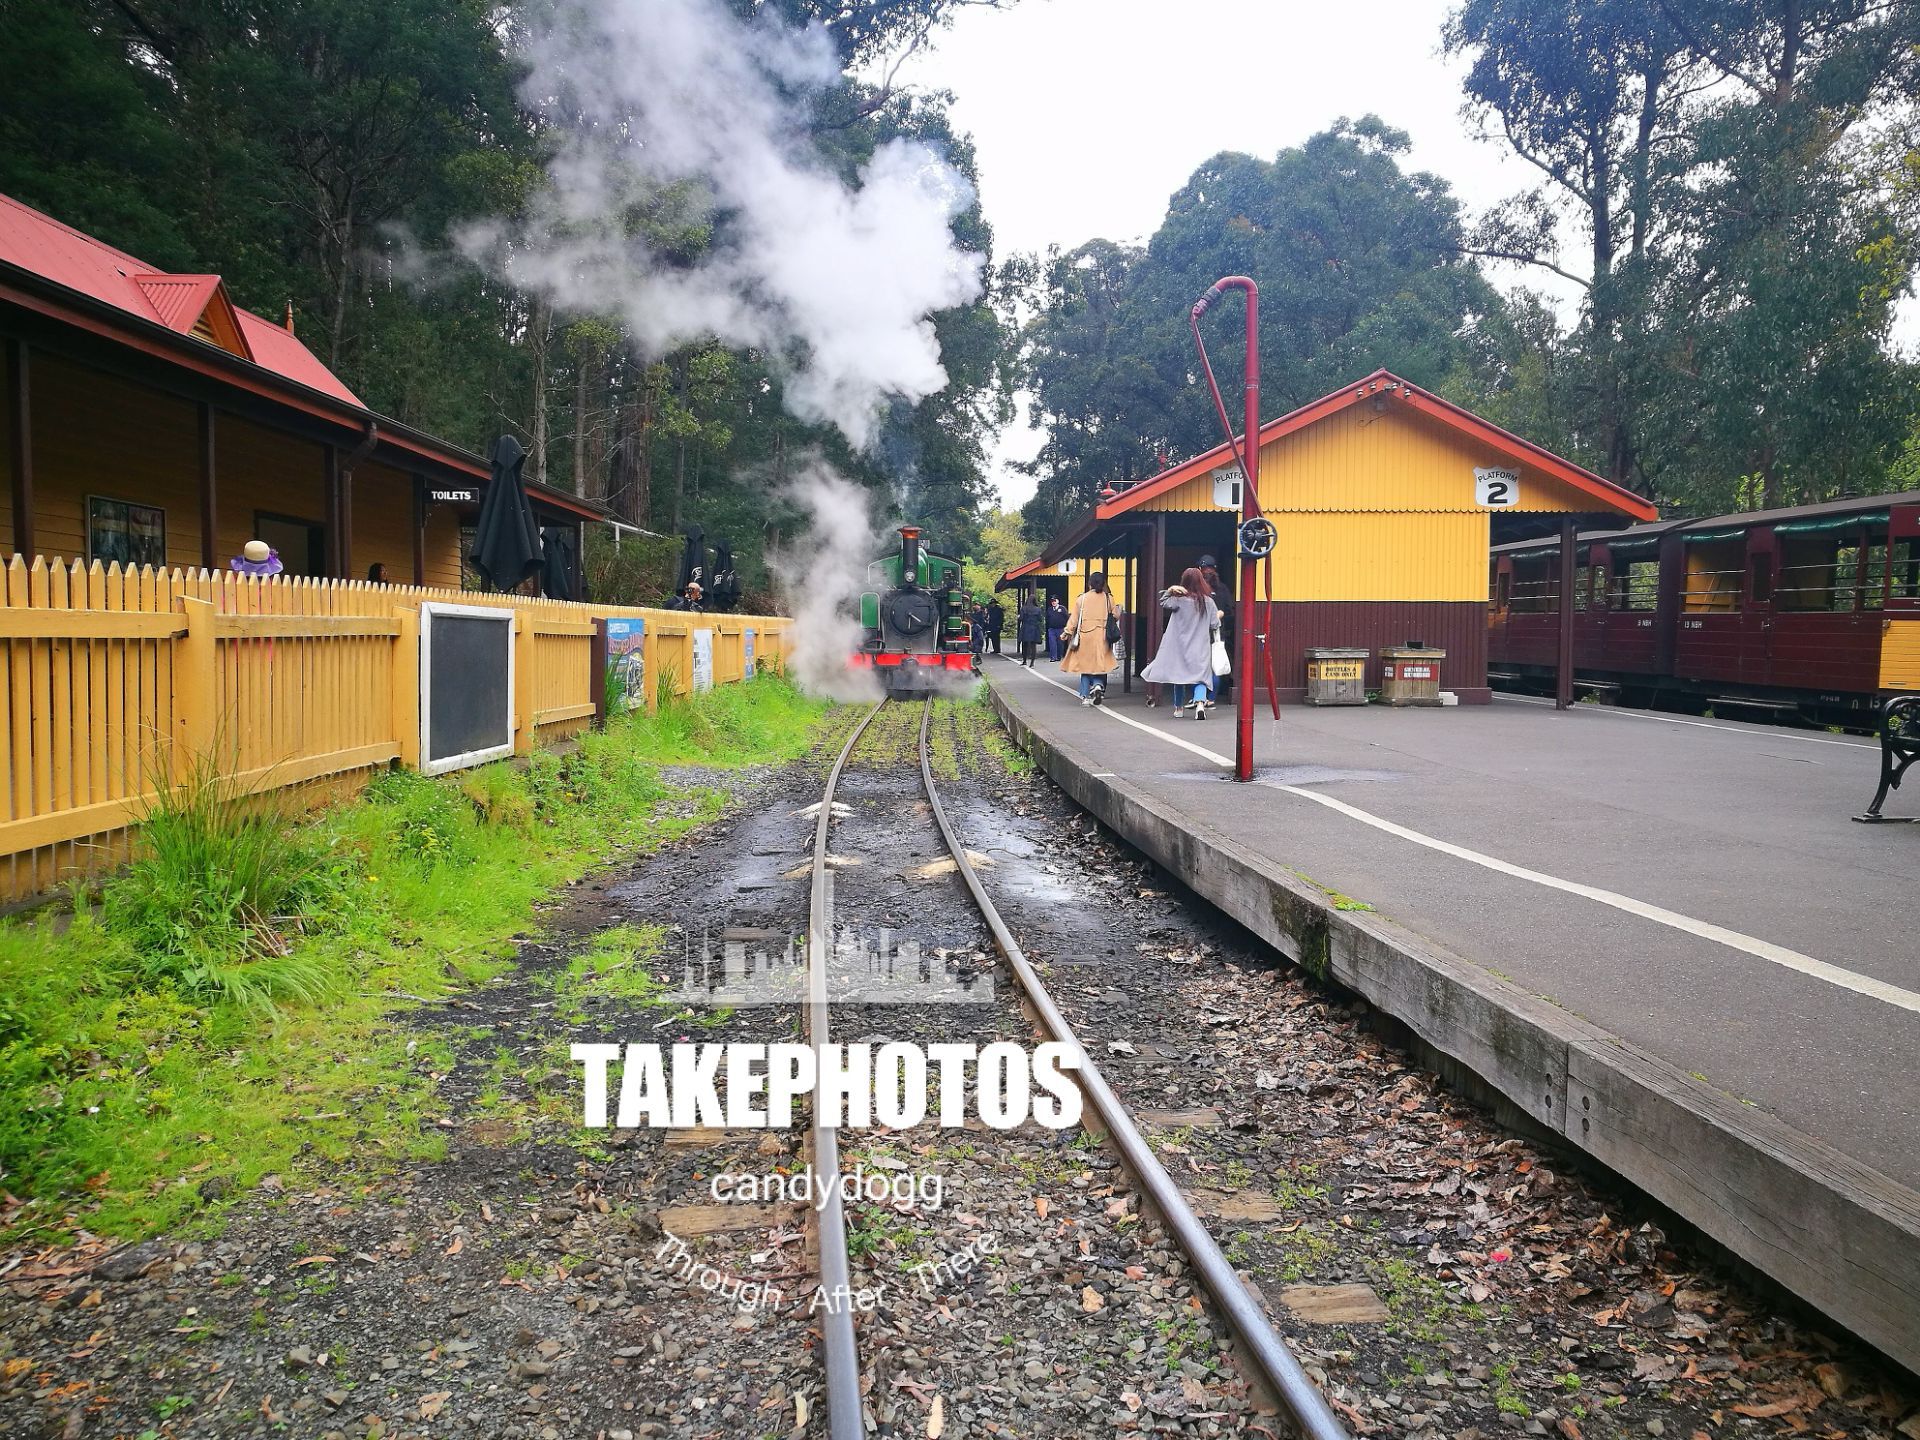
(65, 256)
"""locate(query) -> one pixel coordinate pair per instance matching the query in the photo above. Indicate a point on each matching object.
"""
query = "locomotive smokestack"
(909, 554)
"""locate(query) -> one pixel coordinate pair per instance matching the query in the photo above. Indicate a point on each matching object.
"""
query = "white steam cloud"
(820, 577)
(834, 282)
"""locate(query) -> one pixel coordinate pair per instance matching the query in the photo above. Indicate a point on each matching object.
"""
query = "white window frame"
(428, 611)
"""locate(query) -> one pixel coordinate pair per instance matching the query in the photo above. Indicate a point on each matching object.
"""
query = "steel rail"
(1303, 1403)
(846, 1419)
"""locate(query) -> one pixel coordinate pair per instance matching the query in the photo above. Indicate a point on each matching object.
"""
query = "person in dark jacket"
(977, 622)
(1030, 627)
(1056, 623)
(996, 622)
(688, 599)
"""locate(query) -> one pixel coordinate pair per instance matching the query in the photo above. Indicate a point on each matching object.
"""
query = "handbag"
(1222, 665)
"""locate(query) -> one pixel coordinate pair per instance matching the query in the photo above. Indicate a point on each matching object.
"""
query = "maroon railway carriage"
(1775, 610)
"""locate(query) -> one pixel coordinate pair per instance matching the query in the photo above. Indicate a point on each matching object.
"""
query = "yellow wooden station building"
(1386, 499)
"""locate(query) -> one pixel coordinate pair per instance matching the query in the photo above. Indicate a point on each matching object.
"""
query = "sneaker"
(1086, 699)
(1099, 696)
(1200, 708)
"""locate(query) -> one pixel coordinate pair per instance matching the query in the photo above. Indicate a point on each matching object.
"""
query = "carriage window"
(1819, 572)
(1638, 586)
(1590, 586)
(1536, 588)
(1904, 583)
(1714, 573)
(1503, 590)
(1762, 587)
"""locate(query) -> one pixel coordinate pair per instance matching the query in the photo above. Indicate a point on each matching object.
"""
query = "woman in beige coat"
(1089, 652)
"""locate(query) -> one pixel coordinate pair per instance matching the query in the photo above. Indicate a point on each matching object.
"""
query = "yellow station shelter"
(1386, 499)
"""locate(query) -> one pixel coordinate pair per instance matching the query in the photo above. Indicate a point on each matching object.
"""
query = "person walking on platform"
(996, 622)
(1223, 601)
(1056, 626)
(1030, 628)
(1185, 658)
(1089, 638)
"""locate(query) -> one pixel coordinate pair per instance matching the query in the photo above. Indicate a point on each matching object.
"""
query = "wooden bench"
(1899, 748)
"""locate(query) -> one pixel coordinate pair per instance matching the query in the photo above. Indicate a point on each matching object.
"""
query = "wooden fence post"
(597, 672)
(196, 685)
(406, 685)
(524, 642)
(649, 657)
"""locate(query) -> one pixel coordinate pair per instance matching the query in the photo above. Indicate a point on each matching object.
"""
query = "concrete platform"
(1663, 938)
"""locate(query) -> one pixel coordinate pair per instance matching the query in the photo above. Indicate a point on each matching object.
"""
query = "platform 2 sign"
(627, 658)
(702, 660)
(1496, 489)
(466, 686)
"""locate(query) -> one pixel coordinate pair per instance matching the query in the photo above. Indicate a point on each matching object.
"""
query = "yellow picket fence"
(113, 683)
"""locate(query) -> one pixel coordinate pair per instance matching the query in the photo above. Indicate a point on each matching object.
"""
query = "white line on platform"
(1755, 733)
(1702, 929)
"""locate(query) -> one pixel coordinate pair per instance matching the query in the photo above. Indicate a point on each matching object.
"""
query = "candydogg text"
(852, 1086)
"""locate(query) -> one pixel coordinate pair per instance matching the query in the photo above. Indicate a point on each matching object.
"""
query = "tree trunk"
(679, 481)
(539, 327)
(580, 368)
(343, 257)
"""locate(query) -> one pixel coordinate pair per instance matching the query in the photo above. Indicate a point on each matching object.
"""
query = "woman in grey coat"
(1185, 660)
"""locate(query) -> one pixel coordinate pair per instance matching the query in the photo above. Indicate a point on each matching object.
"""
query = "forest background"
(1731, 187)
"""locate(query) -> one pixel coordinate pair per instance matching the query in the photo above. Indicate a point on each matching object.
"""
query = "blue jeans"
(1088, 682)
(1186, 694)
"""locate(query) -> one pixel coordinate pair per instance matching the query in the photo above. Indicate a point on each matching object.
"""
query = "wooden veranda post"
(20, 447)
(209, 493)
(1563, 677)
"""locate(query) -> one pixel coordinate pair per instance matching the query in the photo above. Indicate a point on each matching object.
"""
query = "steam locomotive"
(914, 620)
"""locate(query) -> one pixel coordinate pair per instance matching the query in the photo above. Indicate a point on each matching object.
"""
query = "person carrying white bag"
(1192, 655)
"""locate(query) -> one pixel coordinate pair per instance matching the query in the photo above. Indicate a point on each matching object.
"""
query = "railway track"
(1264, 1354)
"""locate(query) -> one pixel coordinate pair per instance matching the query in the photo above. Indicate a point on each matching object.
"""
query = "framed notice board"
(466, 686)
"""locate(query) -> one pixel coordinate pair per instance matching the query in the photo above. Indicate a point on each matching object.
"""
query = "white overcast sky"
(1089, 114)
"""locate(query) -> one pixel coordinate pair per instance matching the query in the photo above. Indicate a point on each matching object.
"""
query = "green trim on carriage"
(1838, 522)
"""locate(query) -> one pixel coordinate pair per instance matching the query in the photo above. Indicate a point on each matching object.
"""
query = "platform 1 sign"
(1496, 489)
(702, 660)
(1226, 487)
(627, 657)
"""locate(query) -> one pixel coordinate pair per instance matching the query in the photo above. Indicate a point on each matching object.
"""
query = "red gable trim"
(1027, 569)
(1610, 495)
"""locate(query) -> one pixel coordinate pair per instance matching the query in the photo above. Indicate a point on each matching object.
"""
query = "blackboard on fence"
(466, 686)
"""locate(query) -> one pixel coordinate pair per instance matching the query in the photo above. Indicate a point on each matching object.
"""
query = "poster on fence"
(626, 662)
(746, 654)
(702, 660)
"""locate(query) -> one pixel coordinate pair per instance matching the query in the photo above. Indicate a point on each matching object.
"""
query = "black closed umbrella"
(560, 570)
(726, 581)
(506, 541)
(693, 561)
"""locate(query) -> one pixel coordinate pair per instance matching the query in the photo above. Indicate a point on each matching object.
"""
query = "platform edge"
(1841, 1236)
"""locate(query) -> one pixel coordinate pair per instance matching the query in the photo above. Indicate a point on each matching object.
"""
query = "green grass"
(227, 1009)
